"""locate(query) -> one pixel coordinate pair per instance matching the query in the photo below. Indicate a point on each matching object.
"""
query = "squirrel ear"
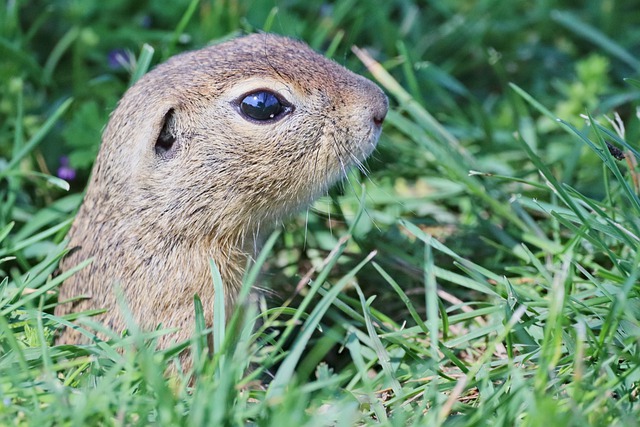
(166, 143)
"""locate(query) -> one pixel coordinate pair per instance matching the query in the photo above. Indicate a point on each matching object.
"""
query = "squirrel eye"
(261, 105)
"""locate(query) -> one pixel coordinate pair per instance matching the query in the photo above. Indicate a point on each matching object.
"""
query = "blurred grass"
(484, 273)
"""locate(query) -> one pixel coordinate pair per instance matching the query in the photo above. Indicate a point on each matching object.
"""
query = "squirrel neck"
(151, 251)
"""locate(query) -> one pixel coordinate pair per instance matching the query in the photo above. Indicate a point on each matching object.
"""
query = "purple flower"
(119, 58)
(65, 171)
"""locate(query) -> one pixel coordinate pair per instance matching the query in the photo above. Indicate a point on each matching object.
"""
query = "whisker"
(306, 229)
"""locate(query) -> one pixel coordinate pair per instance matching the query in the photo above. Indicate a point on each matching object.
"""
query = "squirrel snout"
(379, 109)
(378, 117)
(369, 100)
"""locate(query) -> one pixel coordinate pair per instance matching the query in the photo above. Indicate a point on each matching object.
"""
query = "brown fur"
(152, 222)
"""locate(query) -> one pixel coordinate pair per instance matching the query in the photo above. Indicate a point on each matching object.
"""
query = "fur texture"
(153, 216)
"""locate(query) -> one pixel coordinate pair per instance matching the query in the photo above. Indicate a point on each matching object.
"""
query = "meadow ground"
(484, 272)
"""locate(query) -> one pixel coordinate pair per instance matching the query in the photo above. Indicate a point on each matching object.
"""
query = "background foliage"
(489, 273)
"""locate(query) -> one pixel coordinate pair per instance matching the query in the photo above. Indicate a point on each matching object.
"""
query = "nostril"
(379, 118)
(380, 108)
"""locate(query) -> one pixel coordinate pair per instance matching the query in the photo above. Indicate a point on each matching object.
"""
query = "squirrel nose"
(379, 108)
(379, 118)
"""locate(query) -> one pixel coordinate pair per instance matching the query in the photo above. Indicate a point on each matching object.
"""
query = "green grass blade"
(142, 64)
(595, 36)
(285, 373)
(36, 138)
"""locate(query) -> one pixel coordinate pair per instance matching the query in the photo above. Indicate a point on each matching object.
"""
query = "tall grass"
(484, 273)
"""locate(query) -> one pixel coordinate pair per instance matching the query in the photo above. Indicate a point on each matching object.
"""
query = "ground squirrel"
(202, 156)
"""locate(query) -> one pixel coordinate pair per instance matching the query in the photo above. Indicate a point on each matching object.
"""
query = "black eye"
(262, 106)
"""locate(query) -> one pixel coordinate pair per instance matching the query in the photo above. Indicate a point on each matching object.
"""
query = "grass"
(484, 273)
